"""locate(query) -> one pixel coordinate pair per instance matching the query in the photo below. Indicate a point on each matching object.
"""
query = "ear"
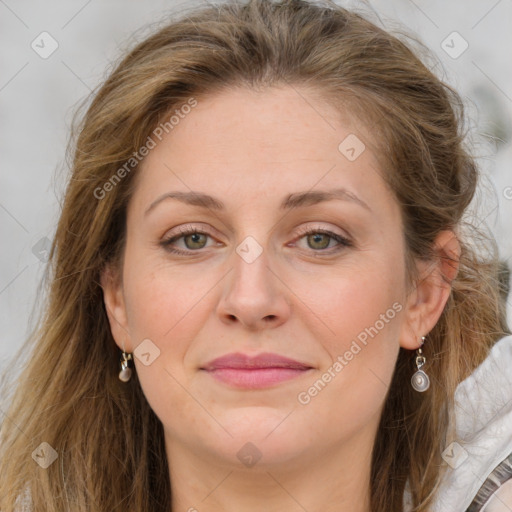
(425, 303)
(113, 297)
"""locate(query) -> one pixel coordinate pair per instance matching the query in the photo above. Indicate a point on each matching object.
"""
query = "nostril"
(270, 317)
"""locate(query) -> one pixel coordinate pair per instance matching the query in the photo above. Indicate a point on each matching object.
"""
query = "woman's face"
(251, 174)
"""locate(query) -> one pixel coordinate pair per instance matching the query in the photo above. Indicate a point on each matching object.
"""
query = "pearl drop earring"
(126, 372)
(420, 381)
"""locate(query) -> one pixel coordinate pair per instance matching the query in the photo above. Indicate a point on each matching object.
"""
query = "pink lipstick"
(261, 371)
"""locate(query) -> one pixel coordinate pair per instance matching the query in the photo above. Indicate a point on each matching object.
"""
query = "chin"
(258, 432)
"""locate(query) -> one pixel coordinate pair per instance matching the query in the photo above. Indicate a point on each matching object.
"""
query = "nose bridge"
(250, 273)
(253, 295)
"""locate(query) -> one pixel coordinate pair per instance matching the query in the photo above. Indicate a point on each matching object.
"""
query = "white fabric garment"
(484, 432)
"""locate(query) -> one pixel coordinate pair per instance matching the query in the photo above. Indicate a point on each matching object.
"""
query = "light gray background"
(38, 97)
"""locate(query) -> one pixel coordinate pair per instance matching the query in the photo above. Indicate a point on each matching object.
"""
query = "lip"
(255, 372)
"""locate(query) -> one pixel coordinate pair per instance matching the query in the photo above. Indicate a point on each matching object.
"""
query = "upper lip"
(243, 361)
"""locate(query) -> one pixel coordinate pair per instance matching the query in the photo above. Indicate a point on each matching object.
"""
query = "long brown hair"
(109, 443)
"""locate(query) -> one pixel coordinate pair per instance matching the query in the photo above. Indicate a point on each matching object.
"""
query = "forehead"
(263, 124)
(245, 141)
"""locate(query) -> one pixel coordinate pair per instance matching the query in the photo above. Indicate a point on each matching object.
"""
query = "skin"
(250, 150)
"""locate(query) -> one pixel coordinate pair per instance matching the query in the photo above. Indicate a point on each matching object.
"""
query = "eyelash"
(184, 231)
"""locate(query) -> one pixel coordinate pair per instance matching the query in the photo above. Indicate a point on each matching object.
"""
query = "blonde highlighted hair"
(110, 444)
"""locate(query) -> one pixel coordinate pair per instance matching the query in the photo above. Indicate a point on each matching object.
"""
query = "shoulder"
(479, 459)
(501, 500)
(495, 495)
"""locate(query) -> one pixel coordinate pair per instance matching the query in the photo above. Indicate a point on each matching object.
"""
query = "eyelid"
(185, 229)
(313, 228)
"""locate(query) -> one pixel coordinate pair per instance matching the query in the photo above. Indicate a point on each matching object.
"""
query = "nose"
(254, 296)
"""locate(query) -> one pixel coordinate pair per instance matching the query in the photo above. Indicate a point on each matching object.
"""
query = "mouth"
(264, 370)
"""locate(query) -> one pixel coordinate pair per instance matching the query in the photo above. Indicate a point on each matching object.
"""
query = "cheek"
(161, 300)
(361, 315)
(348, 301)
(169, 309)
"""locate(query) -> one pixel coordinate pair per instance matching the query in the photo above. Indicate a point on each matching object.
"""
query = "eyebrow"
(295, 200)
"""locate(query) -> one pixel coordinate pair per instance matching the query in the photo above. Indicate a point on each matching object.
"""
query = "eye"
(319, 240)
(193, 240)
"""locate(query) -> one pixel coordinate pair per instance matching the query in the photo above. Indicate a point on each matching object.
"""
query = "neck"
(336, 480)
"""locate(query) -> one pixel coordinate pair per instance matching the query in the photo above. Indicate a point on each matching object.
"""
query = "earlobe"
(115, 306)
(427, 300)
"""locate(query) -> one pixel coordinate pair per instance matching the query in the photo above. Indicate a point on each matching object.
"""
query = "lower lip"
(255, 378)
